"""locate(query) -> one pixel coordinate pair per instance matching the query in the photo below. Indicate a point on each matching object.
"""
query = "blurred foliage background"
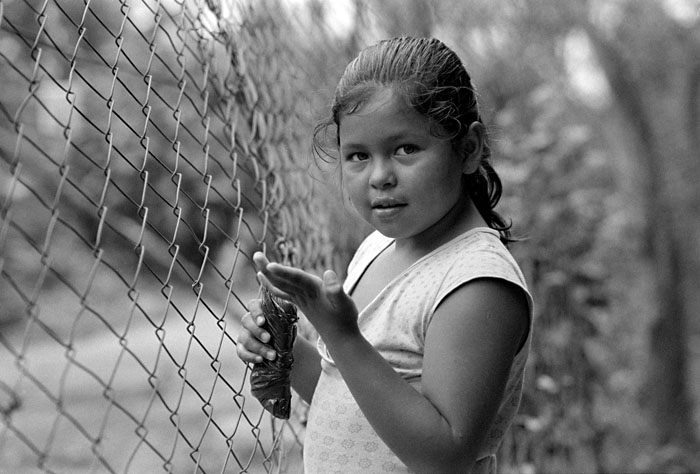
(594, 112)
(593, 107)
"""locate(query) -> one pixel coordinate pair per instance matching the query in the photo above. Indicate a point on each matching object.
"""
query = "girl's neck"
(461, 218)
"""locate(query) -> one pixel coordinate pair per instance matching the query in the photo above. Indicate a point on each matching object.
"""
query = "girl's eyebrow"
(396, 137)
(401, 136)
(351, 146)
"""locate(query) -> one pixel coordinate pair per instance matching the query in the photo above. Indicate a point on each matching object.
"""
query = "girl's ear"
(473, 147)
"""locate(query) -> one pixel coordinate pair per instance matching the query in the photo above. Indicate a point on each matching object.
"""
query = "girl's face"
(401, 179)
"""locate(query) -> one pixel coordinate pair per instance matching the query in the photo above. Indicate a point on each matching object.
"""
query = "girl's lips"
(381, 203)
(387, 211)
(388, 206)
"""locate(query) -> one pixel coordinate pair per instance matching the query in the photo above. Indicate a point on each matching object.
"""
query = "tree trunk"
(405, 17)
(667, 383)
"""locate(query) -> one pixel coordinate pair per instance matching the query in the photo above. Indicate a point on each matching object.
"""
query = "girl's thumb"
(332, 286)
(331, 282)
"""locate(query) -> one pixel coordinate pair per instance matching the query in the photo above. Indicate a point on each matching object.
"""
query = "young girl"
(419, 363)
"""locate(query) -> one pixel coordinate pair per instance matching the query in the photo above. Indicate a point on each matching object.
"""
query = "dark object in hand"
(270, 379)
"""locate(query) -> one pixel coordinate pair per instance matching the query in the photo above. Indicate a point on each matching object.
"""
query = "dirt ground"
(143, 400)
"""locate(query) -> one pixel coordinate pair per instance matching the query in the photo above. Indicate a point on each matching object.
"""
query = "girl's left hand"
(322, 300)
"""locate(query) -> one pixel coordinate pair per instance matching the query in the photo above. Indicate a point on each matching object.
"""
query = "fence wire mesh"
(148, 148)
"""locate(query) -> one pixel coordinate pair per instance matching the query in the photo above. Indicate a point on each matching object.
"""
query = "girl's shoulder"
(454, 253)
(474, 249)
(472, 239)
(478, 253)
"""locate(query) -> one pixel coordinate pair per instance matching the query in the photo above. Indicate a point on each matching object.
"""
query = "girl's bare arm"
(474, 335)
(306, 369)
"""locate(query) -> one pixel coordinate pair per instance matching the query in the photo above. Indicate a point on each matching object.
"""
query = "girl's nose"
(382, 175)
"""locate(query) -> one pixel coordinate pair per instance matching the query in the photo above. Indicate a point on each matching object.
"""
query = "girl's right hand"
(251, 345)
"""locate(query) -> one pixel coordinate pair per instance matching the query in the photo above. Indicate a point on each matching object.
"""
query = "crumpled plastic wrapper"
(270, 380)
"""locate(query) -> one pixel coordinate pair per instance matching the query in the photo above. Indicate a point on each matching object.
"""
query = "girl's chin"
(392, 231)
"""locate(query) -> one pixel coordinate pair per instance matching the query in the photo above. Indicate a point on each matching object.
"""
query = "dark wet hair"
(433, 80)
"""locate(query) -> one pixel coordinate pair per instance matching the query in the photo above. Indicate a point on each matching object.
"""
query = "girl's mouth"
(386, 203)
(386, 209)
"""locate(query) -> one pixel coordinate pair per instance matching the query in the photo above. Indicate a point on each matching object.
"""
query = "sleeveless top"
(339, 439)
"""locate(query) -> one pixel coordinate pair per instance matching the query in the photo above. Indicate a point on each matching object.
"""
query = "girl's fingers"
(251, 349)
(288, 283)
(279, 286)
(293, 281)
(246, 356)
(260, 260)
(331, 282)
(274, 289)
(253, 321)
(286, 278)
(253, 357)
(251, 340)
(255, 306)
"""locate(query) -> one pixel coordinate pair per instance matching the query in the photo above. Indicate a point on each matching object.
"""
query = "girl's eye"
(406, 149)
(357, 157)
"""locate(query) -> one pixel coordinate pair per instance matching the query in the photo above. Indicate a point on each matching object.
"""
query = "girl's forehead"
(384, 115)
(381, 99)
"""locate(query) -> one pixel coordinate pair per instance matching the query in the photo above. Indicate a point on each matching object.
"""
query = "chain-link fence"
(148, 148)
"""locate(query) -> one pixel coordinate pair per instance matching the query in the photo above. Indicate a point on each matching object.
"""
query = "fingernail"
(271, 355)
(260, 320)
(265, 337)
(331, 278)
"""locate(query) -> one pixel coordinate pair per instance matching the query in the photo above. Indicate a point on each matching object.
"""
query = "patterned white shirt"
(339, 438)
